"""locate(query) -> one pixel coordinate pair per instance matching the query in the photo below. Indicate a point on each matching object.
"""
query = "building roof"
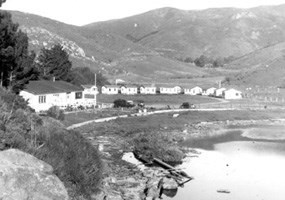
(111, 86)
(51, 87)
(129, 86)
(148, 85)
(88, 86)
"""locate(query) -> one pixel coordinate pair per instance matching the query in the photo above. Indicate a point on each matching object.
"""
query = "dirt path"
(144, 114)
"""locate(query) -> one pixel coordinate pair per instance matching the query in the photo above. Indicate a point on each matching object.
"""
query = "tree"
(201, 61)
(16, 63)
(1, 2)
(54, 63)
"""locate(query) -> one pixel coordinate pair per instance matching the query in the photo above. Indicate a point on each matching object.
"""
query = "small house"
(210, 91)
(41, 95)
(193, 91)
(147, 89)
(170, 90)
(232, 94)
(129, 89)
(90, 95)
(219, 92)
(110, 89)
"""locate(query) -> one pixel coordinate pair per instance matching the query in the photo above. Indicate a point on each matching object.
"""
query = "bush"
(55, 113)
(122, 103)
(148, 146)
(74, 159)
(13, 101)
(185, 105)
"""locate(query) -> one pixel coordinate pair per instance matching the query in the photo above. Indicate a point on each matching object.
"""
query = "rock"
(24, 177)
(169, 184)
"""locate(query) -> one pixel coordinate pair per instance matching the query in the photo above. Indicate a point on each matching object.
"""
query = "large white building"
(41, 95)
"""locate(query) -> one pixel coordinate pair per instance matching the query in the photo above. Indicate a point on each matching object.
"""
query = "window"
(42, 99)
(78, 95)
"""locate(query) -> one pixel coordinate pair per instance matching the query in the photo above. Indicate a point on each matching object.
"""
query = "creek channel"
(247, 164)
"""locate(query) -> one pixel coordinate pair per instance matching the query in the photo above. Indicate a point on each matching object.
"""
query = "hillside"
(214, 32)
(98, 49)
(263, 67)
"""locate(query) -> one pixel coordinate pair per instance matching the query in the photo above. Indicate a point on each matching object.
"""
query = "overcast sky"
(87, 11)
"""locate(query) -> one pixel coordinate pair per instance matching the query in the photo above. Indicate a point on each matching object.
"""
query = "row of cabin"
(150, 89)
(41, 95)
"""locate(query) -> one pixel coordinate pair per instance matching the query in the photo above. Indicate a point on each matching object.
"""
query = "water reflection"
(249, 170)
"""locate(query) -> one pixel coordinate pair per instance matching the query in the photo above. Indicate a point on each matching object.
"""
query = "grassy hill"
(147, 47)
(98, 49)
(213, 32)
(263, 67)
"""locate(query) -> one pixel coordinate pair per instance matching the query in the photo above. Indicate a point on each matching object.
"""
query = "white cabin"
(219, 92)
(90, 95)
(41, 95)
(193, 91)
(210, 91)
(129, 89)
(170, 90)
(147, 89)
(110, 89)
(232, 94)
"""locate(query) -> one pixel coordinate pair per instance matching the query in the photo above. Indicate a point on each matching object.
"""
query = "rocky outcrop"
(24, 177)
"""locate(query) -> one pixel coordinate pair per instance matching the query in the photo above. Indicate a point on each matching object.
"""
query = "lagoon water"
(250, 170)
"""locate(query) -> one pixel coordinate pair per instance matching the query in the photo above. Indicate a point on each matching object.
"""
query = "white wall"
(107, 90)
(129, 90)
(232, 94)
(61, 100)
(148, 90)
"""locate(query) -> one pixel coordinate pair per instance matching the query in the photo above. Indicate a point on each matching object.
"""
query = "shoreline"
(123, 180)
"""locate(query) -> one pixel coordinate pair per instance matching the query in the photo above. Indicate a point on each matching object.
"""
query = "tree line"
(18, 65)
(205, 61)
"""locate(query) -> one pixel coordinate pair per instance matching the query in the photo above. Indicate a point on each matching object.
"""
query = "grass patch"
(157, 99)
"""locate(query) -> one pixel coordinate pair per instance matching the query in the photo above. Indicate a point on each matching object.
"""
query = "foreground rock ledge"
(24, 177)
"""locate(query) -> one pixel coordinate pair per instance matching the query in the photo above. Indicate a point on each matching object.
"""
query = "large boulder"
(24, 177)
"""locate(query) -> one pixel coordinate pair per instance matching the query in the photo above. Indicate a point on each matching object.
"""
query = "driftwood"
(177, 174)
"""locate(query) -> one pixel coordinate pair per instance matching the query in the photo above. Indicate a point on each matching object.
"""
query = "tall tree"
(1, 2)
(55, 63)
(8, 41)
(16, 63)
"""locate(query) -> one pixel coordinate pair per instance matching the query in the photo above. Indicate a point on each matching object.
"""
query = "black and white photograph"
(142, 100)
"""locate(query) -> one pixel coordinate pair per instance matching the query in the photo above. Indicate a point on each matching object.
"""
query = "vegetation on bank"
(159, 135)
(74, 160)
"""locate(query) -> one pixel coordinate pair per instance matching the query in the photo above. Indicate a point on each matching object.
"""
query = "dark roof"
(50, 87)
(111, 86)
(88, 86)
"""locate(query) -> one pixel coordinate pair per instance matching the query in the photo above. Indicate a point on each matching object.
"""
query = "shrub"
(13, 101)
(185, 105)
(74, 160)
(55, 113)
(122, 103)
(148, 146)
